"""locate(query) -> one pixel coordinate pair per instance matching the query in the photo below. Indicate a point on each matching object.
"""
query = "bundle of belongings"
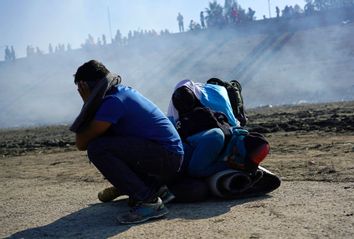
(243, 150)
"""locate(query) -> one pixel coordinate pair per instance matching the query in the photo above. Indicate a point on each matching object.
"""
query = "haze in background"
(40, 22)
(312, 63)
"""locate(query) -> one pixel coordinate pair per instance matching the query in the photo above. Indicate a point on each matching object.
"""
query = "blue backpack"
(246, 150)
(233, 89)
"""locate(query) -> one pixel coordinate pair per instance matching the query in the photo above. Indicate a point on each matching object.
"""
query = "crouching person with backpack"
(128, 139)
(203, 116)
(220, 156)
(203, 131)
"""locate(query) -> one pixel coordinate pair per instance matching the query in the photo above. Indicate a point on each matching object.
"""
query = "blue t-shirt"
(131, 114)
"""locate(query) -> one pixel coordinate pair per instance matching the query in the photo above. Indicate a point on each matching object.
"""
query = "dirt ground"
(49, 190)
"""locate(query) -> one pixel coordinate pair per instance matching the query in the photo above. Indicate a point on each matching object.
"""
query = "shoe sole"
(162, 212)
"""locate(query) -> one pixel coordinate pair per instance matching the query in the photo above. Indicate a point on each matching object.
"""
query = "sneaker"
(143, 212)
(165, 195)
(108, 194)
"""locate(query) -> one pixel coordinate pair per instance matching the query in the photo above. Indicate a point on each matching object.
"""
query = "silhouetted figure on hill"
(291, 11)
(99, 43)
(7, 54)
(163, 32)
(250, 14)
(38, 51)
(30, 51)
(192, 25)
(12, 53)
(286, 12)
(297, 10)
(59, 48)
(90, 40)
(234, 15)
(180, 22)
(309, 8)
(277, 10)
(104, 40)
(50, 48)
(202, 20)
(118, 38)
(68, 47)
(124, 41)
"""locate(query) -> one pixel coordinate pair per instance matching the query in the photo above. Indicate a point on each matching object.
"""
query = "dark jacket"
(200, 119)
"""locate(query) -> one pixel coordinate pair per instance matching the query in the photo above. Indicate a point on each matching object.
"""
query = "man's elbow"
(80, 143)
(81, 147)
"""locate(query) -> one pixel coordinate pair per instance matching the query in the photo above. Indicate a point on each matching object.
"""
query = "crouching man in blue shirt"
(132, 143)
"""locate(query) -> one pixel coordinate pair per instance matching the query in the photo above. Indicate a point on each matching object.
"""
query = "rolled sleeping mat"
(231, 184)
(188, 189)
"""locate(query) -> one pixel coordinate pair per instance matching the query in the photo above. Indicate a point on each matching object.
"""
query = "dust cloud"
(277, 63)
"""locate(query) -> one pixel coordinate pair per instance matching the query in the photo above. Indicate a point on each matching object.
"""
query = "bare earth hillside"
(275, 64)
(48, 189)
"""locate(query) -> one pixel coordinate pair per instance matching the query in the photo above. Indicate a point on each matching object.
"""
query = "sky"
(40, 22)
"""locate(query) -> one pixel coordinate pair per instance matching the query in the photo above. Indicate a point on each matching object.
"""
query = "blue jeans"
(206, 146)
(136, 167)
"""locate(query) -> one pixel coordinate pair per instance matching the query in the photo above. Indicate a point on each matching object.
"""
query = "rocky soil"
(49, 189)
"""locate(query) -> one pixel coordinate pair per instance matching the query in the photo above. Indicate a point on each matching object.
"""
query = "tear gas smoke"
(275, 66)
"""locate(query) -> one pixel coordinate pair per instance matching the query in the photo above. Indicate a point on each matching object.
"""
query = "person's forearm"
(81, 141)
(95, 129)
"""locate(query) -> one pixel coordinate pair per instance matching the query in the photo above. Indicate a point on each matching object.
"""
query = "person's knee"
(215, 137)
(219, 137)
(96, 148)
(200, 166)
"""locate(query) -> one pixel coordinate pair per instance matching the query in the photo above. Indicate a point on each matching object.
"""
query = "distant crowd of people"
(213, 16)
(89, 43)
(233, 13)
(32, 51)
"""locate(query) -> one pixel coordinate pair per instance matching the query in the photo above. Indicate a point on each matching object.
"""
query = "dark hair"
(184, 99)
(90, 71)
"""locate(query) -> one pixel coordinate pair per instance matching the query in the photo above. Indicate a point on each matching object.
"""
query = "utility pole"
(109, 23)
(270, 15)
